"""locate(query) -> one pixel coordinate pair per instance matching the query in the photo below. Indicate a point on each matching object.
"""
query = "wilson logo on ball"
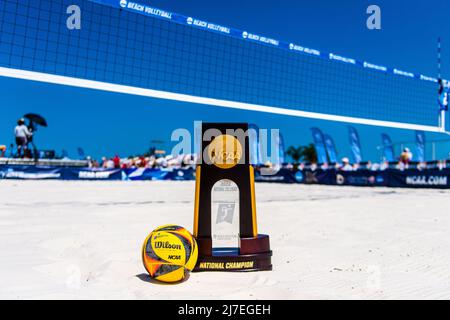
(167, 245)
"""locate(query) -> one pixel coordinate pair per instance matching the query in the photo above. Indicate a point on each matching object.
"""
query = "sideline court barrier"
(410, 178)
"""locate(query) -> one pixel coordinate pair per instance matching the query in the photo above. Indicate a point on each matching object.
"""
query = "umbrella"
(35, 118)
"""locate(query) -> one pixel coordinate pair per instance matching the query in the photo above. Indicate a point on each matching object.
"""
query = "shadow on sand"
(146, 278)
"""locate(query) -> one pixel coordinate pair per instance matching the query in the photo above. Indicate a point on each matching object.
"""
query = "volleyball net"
(133, 48)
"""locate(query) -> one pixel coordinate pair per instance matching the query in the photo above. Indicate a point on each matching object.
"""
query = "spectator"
(104, 162)
(268, 164)
(143, 162)
(406, 157)
(401, 166)
(442, 164)
(22, 135)
(421, 165)
(116, 161)
(289, 166)
(137, 162)
(151, 162)
(95, 164)
(301, 166)
(2, 151)
(346, 166)
(384, 165)
(90, 162)
(109, 164)
(324, 166)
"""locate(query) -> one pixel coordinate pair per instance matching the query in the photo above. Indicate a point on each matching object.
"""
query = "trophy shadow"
(146, 278)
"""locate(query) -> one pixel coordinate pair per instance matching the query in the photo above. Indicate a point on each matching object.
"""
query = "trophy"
(225, 225)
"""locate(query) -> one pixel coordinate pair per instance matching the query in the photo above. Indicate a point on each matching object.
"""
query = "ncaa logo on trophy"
(225, 223)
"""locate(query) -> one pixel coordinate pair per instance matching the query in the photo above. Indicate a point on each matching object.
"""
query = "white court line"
(90, 84)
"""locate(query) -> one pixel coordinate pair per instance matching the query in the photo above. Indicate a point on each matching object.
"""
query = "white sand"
(83, 240)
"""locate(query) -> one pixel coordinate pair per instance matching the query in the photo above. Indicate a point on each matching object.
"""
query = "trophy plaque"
(225, 224)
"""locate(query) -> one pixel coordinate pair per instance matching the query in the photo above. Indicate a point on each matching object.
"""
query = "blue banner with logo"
(331, 148)
(146, 174)
(72, 173)
(411, 178)
(30, 172)
(360, 178)
(319, 144)
(318, 176)
(388, 148)
(436, 179)
(281, 176)
(420, 145)
(355, 145)
(91, 174)
(183, 174)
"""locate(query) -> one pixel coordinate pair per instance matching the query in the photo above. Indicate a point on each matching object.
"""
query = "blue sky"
(126, 125)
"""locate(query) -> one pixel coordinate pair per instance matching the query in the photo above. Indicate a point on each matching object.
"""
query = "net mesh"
(122, 47)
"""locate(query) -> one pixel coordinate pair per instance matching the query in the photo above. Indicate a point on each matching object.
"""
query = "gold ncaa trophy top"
(225, 224)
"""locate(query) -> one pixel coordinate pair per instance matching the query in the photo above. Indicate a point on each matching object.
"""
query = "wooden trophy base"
(254, 255)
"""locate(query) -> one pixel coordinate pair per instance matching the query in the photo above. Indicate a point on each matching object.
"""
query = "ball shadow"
(146, 278)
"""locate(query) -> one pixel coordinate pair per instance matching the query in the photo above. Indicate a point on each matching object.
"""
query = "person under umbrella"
(35, 120)
(22, 135)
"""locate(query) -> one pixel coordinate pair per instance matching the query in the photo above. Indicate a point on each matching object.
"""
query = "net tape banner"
(147, 10)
